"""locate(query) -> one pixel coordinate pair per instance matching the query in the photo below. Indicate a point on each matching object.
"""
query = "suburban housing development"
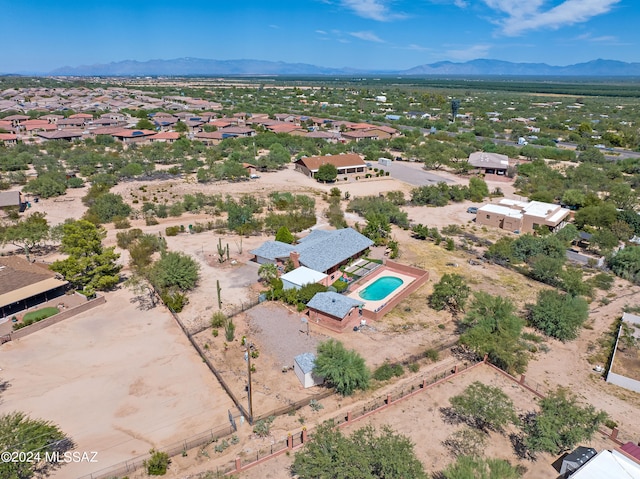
(208, 273)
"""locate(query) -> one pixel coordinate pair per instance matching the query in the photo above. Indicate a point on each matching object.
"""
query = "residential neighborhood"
(303, 255)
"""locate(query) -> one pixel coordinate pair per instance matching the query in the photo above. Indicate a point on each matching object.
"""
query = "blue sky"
(40, 35)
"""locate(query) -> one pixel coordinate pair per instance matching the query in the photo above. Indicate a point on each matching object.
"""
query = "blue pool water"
(380, 288)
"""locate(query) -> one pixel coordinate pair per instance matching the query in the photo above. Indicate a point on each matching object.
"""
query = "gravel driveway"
(281, 333)
(413, 176)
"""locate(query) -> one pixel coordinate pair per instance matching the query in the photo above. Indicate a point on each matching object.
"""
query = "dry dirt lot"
(410, 328)
(118, 380)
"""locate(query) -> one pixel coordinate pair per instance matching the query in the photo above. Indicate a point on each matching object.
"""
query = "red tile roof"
(133, 133)
(339, 161)
(8, 137)
(165, 135)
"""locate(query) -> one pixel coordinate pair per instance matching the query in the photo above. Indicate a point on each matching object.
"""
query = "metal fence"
(132, 465)
(229, 313)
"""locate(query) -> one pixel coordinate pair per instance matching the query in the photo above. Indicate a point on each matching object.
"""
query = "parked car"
(254, 177)
(472, 209)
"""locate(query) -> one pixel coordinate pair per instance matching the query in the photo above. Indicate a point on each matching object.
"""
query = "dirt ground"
(409, 329)
(114, 379)
(420, 419)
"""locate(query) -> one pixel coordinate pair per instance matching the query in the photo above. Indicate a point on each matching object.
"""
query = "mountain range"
(480, 67)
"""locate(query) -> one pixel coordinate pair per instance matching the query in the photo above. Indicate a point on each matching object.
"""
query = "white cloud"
(418, 48)
(461, 3)
(321, 32)
(469, 53)
(367, 36)
(274, 26)
(525, 15)
(372, 9)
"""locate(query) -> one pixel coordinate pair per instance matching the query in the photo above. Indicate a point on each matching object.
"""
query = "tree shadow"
(449, 416)
(4, 385)
(46, 468)
(145, 301)
(518, 439)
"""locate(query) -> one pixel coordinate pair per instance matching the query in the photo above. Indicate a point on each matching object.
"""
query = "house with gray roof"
(334, 310)
(323, 251)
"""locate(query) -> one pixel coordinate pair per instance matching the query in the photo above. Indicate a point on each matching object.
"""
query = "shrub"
(157, 464)
(174, 301)
(414, 367)
(262, 428)
(387, 371)
(172, 230)
(432, 354)
(218, 320)
(121, 223)
(340, 286)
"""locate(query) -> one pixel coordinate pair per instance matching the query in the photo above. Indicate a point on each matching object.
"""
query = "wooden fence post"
(238, 464)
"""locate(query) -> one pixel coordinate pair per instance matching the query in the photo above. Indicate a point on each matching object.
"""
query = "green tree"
(145, 124)
(558, 315)
(47, 185)
(467, 467)
(492, 328)
(478, 189)
(450, 293)
(27, 234)
(626, 263)
(377, 228)
(326, 173)
(308, 291)
(561, 423)
(545, 269)
(19, 433)
(181, 127)
(344, 370)
(364, 455)
(89, 266)
(108, 206)
(284, 235)
(175, 270)
(501, 252)
(484, 407)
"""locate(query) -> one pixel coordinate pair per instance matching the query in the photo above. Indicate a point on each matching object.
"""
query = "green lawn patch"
(35, 316)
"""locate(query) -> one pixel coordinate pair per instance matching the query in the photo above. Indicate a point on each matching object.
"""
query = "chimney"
(294, 256)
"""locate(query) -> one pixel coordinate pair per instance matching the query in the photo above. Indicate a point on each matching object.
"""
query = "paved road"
(413, 176)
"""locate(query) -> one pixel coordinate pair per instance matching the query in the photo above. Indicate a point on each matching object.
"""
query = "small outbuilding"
(301, 276)
(303, 365)
(576, 459)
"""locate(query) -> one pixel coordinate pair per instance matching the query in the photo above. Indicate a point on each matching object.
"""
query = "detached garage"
(303, 367)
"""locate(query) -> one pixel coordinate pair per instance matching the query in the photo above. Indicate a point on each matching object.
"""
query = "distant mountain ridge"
(481, 67)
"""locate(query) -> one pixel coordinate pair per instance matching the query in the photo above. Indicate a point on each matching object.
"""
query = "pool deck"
(376, 306)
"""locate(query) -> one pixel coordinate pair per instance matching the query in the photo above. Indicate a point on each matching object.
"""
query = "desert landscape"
(156, 391)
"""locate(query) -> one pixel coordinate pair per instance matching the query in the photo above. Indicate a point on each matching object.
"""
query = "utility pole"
(249, 392)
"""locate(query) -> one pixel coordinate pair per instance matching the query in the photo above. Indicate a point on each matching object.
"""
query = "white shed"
(384, 161)
(303, 367)
(301, 276)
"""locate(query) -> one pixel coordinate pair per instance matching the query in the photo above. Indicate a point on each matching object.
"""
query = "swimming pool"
(381, 288)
